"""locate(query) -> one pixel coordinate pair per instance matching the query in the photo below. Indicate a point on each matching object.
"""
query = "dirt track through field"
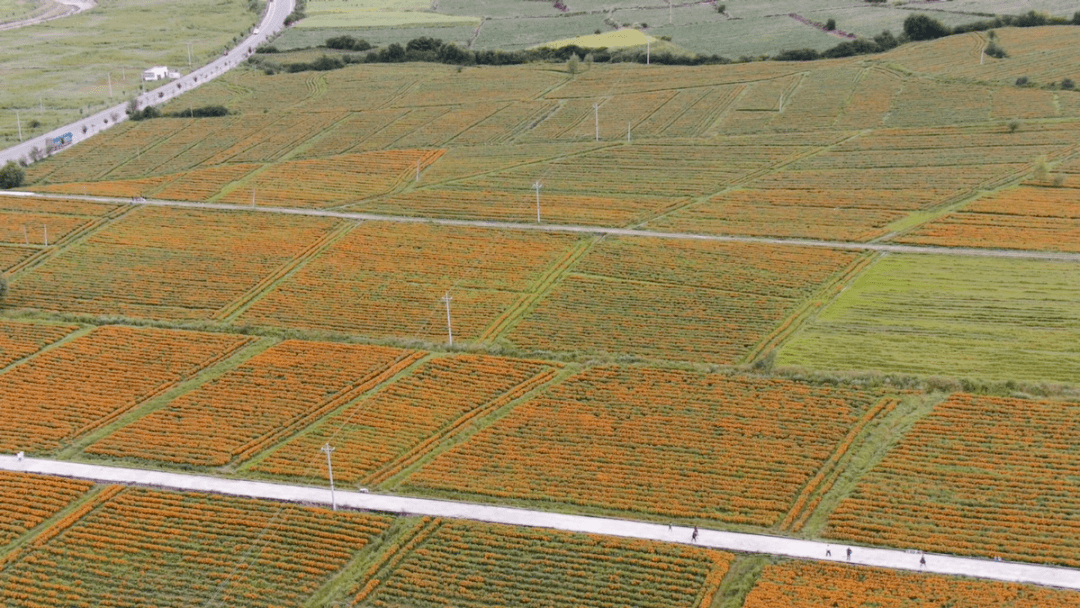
(731, 541)
(597, 230)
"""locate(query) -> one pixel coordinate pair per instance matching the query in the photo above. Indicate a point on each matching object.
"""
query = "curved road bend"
(571, 228)
(74, 7)
(732, 541)
(272, 22)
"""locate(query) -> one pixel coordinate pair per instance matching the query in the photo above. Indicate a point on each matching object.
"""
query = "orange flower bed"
(324, 182)
(406, 418)
(1046, 219)
(18, 340)
(202, 183)
(89, 381)
(520, 206)
(27, 500)
(54, 206)
(984, 476)
(238, 413)
(818, 214)
(388, 279)
(167, 263)
(794, 584)
(468, 564)
(13, 256)
(31, 228)
(123, 188)
(678, 444)
(678, 300)
(149, 548)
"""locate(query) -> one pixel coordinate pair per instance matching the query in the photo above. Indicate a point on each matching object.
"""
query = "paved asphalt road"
(732, 541)
(273, 21)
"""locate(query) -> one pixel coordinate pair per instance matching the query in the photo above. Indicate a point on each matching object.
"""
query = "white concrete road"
(732, 541)
(273, 21)
(578, 229)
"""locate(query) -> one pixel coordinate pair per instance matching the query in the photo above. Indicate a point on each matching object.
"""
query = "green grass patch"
(996, 319)
(58, 71)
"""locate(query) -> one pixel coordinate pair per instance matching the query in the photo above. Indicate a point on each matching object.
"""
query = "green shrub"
(924, 27)
(11, 176)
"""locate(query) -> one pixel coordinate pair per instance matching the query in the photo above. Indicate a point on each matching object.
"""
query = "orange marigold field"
(475, 565)
(520, 206)
(667, 443)
(388, 279)
(143, 547)
(11, 257)
(795, 584)
(87, 382)
(324, 182)
(18, 340)
(28, 500)
(34, 228)
(168, 263)
(984, 476)
(273, 393)
(394, 427)
(1046, 219)
(818, 214)
(55, 206)
(674, 299)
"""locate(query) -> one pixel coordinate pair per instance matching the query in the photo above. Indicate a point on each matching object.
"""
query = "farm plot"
(984, 476)
(55, 206)
(350, 132)
(871, 99)
(474, 565)
(28, 500)
(519, 206)
(116, 188)
(152, 548)
(793, 584)
(953, 316)
(657, 443)
(443, 86)
(324, 182)
(377, 436)
(386, 279)
(35, 228)
(675, 169)
(18, 340)
(620, 79)
(11, 257)
(156, 263)
(81, 385)
(822, 214)
(101, 153)
(676, 300)
(1046, 219)
(1044, 54)
(469, 161)
(263, 399)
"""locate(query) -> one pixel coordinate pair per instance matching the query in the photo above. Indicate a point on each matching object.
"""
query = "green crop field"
(57, 71)
(948, 316)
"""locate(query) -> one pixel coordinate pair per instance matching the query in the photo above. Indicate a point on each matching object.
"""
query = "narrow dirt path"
(731, 541)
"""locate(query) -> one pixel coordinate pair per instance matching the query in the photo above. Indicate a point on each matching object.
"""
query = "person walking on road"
(693, 537)
(828, 551)
(849, 554)
(922, 561)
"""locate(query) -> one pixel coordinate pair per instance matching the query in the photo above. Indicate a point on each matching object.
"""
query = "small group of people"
(922, 557)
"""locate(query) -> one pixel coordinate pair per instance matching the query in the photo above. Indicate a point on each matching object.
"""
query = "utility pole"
(669, 12)
(418, 170)
(46, 227)
(596, 119)
(110, 85)
(449, 332)
(25, 234)
(628, 131)
(19, 122)
(648, 47)
(189, 54)
(252, 197)
(537, 185)
(330, 469)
